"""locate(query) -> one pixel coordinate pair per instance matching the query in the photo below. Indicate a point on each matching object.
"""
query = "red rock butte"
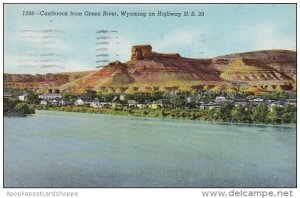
(144, 52)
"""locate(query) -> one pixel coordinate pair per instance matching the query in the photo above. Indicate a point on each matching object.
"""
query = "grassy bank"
(183, 114)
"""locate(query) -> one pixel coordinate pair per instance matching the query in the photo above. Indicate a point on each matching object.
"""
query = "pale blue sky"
(225, 29)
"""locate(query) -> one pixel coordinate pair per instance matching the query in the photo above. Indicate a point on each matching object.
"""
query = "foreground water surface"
(60, 149)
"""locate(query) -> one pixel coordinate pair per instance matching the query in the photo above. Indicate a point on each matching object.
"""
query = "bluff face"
(148, 71)
(40, 82)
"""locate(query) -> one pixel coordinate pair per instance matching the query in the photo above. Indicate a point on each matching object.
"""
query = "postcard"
(150, 95)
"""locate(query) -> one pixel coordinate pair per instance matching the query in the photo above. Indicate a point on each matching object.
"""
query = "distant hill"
(148, 71)
(40, 82)
(283, 61)
(253, 72)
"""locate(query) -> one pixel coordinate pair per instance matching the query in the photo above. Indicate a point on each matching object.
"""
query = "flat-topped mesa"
(116, 63)
(144, 52)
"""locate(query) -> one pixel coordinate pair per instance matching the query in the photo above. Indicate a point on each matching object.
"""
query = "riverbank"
(14, 114)
(174, 114)
(17, 108)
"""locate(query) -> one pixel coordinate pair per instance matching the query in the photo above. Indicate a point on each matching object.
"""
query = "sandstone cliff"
(148, 71)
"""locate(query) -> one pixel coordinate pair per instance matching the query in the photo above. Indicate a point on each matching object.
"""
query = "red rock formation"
(144, 52)
(152, 71)
(283, 61)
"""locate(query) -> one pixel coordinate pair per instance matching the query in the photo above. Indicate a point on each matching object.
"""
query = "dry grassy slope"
(283, 61)
(112, 75)
(251, 70)
(149, 75)
(77, 84)
(75, 75)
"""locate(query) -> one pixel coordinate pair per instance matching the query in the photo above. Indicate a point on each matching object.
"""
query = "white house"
(95, 103)
(83, 101)
(64, 102)
(56, 101)
(122, 97)
(44, 102)
(220, 99)
(257, 100)
(192, 99)
(23, 97)
(270, 107)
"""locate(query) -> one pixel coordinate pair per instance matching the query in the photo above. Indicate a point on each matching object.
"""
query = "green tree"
(24, 108)
(69, 96)
(138, 97)
(156, 95)
(275, 115)
(32, 98)
(108, 97)
(178, 101)
(289, 114)
(9, 105)
(90, 94)
(259, 113)
(289, 108)
(223, 112)
(163, 113)
(288, 118)
(238, 113)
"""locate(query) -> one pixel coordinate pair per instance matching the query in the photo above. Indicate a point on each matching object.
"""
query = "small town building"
(257, 100)
(220, 99)
(270, 107)
(44, 102)
(192, 99)
(269, 101)
(64, 102)
(116, 98)
(56, 101)
(291, 102)
(7, 96)
(211, 105)
(122, 97)
(116, 105)
(105, 104)
(95, 103)
(161, 103)
(49, 96)
(83, 101)
(23, 97)
(242, 102)
(142, 106)
(131, 104)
